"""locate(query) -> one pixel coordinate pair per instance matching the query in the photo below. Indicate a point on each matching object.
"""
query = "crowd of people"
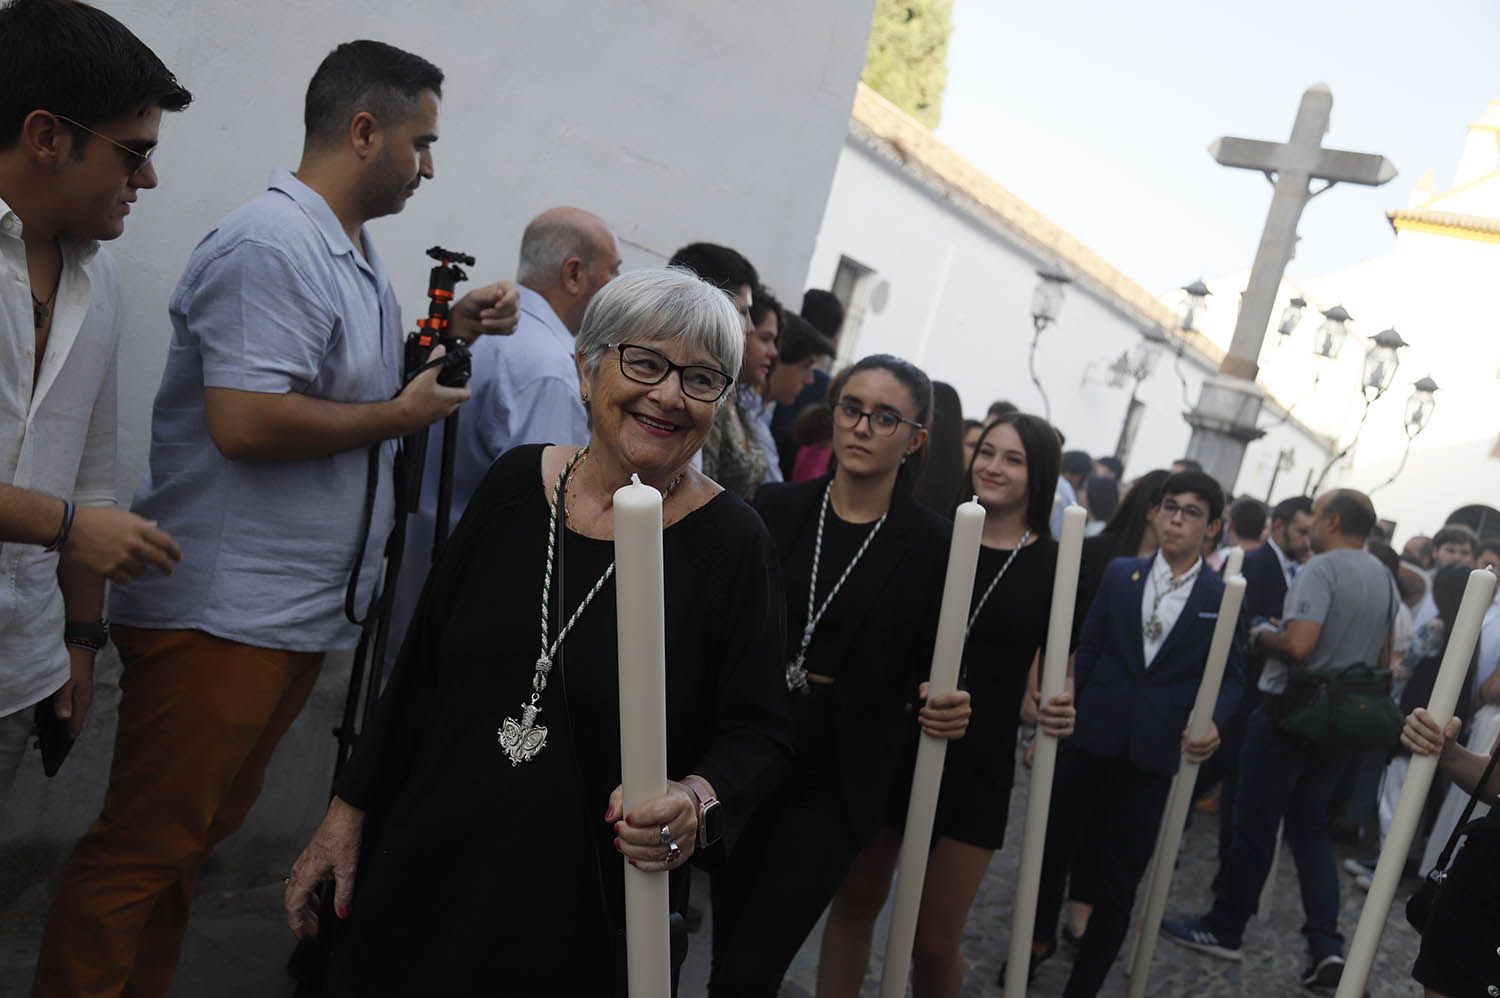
(477, 832)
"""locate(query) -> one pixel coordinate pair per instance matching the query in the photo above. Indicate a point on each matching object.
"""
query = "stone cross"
(1294, 165)
(1224, 420)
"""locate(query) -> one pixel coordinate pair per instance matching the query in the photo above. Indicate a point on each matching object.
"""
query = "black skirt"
(1460, 954)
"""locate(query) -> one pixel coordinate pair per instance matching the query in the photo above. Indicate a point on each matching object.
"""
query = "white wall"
(676, 120)
(971, 326)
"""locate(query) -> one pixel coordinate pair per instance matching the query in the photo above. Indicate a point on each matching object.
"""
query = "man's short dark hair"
(801, 340)
(75, 60)
(718, 265)
(1115, 465)
(1288, 508)
(824, 310)
(1189, 464)
(1202, 485)
(1455, 533)
(366, 76)
(1489, 545)
(1355, 512)
(1077, 462)
(1002, 407)
(1248, 518)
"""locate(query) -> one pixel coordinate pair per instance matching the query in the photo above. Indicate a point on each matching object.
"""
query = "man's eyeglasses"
(135, 160)
(1170, 509)
(882, 421)
(650, 367)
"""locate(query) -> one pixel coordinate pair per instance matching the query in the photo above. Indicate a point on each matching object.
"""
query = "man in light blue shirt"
(281, 379)
(524, 387)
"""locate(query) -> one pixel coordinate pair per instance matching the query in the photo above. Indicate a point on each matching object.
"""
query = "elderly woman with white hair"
(476, 836)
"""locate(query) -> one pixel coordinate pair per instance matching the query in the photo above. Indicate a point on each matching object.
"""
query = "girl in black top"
(1013, 474)
(873, 561)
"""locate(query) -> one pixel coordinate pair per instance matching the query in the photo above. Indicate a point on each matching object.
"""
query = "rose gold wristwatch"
(710, 815)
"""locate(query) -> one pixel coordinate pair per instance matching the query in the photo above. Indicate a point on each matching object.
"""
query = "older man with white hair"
(524, 389)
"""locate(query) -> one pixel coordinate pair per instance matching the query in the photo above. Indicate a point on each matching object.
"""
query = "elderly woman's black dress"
(477, 876)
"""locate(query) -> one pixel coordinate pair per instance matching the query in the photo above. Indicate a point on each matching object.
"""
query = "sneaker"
(1356, 867)
(1194, 934)
(1324, 973)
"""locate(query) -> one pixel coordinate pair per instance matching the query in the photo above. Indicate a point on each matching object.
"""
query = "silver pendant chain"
(796, 674)
(1153, 623)
(524, 739)
(1025, 536)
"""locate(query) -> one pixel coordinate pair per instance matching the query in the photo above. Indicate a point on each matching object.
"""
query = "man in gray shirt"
(1338, 612)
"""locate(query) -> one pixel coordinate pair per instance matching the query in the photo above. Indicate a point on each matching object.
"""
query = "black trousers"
(1109, 810)
(786, 866)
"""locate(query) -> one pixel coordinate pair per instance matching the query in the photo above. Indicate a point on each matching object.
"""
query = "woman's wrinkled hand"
(946, 715)
(333, 854)
(1421, 734)
(638, 835)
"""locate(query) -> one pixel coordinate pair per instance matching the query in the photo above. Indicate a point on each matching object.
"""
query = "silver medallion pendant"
(1153, 630)
(796, 676)
(523, 740)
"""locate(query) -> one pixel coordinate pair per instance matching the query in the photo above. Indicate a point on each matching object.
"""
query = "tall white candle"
(643, 721)
(1181, 798)
(953, 619)
(1044, 760)
(1478, 595)
(1234, 561)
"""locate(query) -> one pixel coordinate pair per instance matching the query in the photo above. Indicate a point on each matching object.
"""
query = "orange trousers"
(199, 719)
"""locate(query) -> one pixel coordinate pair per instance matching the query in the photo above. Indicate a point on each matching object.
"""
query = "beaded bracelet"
(67, 525)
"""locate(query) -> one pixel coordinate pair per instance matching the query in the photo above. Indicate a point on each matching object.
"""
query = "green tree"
(908, 58)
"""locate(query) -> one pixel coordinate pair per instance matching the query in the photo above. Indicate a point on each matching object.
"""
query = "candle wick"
(635, 479)
(975, 499)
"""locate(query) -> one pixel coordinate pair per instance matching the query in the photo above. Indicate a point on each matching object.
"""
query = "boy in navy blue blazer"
(1139, 662)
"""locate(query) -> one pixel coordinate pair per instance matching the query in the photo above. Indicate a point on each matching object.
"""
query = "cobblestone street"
(238, 945)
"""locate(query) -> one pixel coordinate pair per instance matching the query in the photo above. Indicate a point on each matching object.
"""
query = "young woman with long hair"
(863, 564)
(1013, 473)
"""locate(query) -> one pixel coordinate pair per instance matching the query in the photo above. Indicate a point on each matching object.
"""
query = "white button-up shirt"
(1171, 604)
(57, 435)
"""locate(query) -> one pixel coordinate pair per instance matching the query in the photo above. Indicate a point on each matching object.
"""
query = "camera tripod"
(365, 678)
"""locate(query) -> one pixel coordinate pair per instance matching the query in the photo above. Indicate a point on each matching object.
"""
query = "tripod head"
(433, 329)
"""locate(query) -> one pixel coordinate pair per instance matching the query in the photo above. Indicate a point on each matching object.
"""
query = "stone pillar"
(1223, 425)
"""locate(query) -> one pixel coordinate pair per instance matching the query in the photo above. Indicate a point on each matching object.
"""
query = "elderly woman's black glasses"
(136, 159)
(649, 367)
(882, 421)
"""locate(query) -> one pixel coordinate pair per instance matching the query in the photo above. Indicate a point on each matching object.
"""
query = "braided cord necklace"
(523, 739)
(796, 673)
(1025, 536)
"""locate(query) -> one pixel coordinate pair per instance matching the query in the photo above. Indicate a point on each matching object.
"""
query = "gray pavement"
(237, 943)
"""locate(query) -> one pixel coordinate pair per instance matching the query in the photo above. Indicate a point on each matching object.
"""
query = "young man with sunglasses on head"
(1140, 659)
(81, 101)
(282, 387)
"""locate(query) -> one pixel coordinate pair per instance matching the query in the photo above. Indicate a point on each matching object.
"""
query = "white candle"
(953, 619)
(1478, 595)
(1044, 760)
(643, 722)
(1169, 840)
(1234, 561)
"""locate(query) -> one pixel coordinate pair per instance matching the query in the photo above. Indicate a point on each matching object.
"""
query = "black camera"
(434, 328)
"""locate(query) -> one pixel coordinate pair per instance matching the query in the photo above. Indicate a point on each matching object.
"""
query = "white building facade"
(938, 264)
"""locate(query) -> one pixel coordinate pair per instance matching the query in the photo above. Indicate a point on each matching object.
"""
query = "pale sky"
(1100, 115)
